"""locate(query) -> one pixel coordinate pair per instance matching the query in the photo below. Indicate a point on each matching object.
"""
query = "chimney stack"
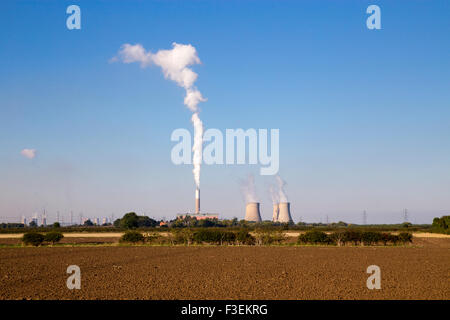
(197, 200)
(252, 212)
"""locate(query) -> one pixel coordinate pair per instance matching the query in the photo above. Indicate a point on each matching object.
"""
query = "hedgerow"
(355, 237)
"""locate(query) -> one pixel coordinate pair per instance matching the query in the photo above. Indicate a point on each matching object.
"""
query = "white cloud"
(28, 153)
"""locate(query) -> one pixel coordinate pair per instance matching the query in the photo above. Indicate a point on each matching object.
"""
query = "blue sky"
(364, 115)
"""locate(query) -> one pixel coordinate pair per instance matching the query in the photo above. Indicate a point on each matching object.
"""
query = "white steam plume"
(174, 64)
(248, 189)
(282, 197)
(274, 194)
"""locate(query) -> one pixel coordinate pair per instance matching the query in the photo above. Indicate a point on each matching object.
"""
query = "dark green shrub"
(244, 237)
(441, 224)
(206, 235)
(314, 237)
(269, 236)
(132, 237)
(340, 238)
(214, 236)
(370, 237)
(56, 225)
(53, 237)
(405, 237)
(353, 236)
(33, 238)
(385, 238)
(227, 237)
(154, 238)
(183, 236)
(394, 239)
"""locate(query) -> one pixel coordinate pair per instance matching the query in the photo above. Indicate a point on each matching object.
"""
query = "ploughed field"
(229, 272)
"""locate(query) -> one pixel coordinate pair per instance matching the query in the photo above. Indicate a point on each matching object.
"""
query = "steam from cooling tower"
(174, 64)
(248, 189)
(282, 197)
(281, 206)
(278, 192)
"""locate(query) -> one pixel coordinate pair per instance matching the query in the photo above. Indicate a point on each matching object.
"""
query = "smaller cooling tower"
(275, 212)
(284, 213)
(252, 212)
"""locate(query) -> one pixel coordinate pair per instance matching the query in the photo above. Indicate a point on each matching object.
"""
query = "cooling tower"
(275, 212)
(252, 212)
(284, 214)
(197, 200)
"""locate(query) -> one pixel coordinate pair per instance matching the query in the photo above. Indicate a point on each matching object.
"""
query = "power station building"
(197, 215)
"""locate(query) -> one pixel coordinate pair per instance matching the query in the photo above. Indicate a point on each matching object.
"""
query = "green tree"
(56, 225)
(33, 238)
(53, 237)
(88, 223)
(116, 223)
(442, 223)
(129, 221)
(144, 221)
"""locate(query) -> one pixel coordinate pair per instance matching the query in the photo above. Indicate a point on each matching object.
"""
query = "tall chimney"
(197, 200)
(284, 214)
(276, 210)
(252, 212)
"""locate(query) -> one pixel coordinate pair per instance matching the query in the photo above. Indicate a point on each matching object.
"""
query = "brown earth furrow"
(225, 272)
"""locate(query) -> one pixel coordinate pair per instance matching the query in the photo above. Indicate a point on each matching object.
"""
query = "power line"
(405, 215)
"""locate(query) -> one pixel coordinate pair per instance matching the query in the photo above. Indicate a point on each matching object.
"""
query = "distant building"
(24, 221)
(105, 221)
(97, 221)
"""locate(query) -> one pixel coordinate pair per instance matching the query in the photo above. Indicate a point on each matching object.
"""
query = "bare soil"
(208, 272)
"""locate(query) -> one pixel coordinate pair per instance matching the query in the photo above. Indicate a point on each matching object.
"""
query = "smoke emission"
(248, 189)
(174, 64)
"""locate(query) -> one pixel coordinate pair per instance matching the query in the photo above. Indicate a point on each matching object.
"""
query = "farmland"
(417, 271)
